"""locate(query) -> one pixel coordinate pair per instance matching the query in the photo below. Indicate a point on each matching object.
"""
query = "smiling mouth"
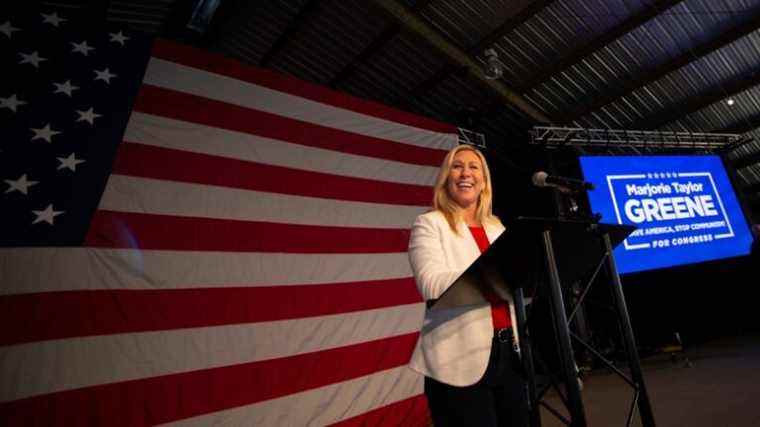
(465, 185)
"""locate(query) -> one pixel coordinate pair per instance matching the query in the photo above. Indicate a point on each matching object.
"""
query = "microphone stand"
(569, 209)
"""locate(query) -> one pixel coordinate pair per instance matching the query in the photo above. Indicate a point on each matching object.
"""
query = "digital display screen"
(684, 207)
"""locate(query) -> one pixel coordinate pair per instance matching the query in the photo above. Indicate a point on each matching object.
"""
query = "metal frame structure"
(469, 137)
(554, 137)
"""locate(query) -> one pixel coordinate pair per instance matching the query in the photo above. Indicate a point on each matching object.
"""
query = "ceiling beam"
(301, 18)
(365, 55)
(625, 86)
(508, 25)
(456, 56)
(373, 48)
(598, 42)
(434, 80)
(477, 49)
(696, 103)
(407, 100)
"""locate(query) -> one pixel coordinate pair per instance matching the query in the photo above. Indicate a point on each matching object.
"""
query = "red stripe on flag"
(408, 412)
(109, 229)
(176, 165)
(174, 397)
(225, 66)
(196, 109)
(57, 315)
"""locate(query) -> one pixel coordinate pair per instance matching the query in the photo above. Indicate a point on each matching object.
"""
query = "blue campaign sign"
(684, 207)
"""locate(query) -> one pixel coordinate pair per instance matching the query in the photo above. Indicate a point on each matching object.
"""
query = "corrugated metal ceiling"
(647, 64)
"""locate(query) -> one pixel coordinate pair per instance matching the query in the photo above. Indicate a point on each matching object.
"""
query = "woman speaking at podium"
(469, 357)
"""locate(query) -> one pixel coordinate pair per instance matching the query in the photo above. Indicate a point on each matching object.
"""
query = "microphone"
(543, 179)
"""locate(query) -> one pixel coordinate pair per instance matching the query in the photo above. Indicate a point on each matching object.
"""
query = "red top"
(499, 308)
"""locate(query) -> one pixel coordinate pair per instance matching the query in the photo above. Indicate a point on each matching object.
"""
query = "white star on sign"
(88, 116)
(52, 19)
(46, 215)
(104, 75)
(65, 87)
(21, 185)
(118, 38)
(31, 58)
(44, 133)
(70, 162)
(11, 102)
(8, 29)
(82, 48)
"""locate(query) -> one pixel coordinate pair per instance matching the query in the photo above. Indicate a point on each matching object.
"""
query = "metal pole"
(577, 414)
(645, 408)
(579, 322)
(527, 356)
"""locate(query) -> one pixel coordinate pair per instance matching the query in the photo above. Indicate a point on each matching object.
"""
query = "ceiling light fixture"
(493, 69)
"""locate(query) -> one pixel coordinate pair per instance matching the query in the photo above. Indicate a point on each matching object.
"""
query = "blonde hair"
(449, 208)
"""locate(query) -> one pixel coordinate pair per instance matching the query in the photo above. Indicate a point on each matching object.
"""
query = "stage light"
(493, 68)
(730, 102)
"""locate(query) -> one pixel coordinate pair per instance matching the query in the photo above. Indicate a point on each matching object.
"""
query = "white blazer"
(454, 344)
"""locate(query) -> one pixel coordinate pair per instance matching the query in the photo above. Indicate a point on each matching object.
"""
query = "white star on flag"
(70, 162)
(11, 102)
(31, 58)
(104, 75)
(21, 185)
(118, 37)
(65, 87)
(8, 29)
(46, 215)
(45, 133)
(88, 116)
(82, 48)
(52, 19)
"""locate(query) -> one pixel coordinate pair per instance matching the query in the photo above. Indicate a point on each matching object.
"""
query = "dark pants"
(498, 399)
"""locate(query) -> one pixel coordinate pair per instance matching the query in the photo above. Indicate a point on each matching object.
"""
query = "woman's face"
(465, 181)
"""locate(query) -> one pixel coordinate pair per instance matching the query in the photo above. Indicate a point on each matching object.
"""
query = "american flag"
(199, 242)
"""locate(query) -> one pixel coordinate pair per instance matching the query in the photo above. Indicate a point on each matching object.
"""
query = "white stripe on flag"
(164, 132)
(56, 365)
(146, 195)
(30, 270)
(320, 406)
(186, 79)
